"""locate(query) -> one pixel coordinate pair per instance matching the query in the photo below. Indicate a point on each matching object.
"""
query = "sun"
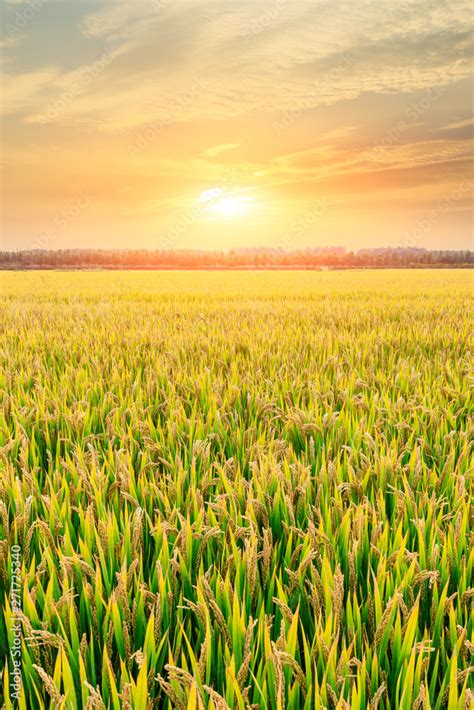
(230, 206)
(217, 203)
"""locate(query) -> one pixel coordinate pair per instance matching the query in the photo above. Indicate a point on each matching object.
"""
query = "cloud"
(306, 55)
(23, 92)
(11, 41)
(116, 21)
(218, 149)
(458, 124)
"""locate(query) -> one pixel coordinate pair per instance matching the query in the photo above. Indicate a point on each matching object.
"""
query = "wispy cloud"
(218, 149)
(458, 124)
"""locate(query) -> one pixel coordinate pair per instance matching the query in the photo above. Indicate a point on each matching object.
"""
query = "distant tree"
(335, 257)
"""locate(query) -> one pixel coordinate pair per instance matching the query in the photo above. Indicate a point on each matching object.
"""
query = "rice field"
(236, 490)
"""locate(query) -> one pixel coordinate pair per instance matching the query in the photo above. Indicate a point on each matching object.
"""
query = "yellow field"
(236, 489)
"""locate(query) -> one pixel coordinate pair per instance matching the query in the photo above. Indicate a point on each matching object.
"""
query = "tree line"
(335, 258)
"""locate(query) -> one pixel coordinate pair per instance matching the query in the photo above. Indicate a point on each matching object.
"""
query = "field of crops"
(236, 490)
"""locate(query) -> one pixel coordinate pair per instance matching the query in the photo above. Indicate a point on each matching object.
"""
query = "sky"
(222, 124)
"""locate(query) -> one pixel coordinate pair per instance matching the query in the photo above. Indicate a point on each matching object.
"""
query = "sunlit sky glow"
(219, 123)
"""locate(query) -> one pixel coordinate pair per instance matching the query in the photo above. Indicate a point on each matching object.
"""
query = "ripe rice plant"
(236, 490)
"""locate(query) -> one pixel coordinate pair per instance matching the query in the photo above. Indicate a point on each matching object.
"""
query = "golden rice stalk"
(47, 533)
(288, 660)
(126, 696)
(219, 702)
(338, 596)
(3, 562)
(247, 654)
(41, 637)
(252, 568)
(179, 675)
(385, 618)
(4, 517)
(377, 697)
(284, 608)
(137, 529)
(168, 689)
(199, 609)
(157, 620)
(468, 700)
(420, 702)
(218, 615)
(94, 701)
(202, 663)
(332, 696)
(468, 594)
(83, 646)
(56, 698)
(266, 554)
(280, 677)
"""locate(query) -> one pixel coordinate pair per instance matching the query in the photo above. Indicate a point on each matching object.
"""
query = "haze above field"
(178, 124)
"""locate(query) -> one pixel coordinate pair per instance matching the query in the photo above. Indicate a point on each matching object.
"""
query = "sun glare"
(219, 204)
(229, 206)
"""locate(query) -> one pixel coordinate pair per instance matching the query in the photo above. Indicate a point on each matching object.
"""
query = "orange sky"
(222, 124)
